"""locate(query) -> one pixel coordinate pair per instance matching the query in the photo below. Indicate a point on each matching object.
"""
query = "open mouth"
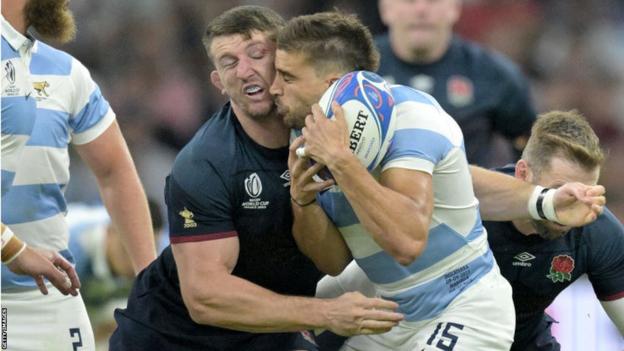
(253, 90)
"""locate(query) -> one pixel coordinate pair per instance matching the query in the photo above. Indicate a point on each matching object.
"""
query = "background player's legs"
(46, 322)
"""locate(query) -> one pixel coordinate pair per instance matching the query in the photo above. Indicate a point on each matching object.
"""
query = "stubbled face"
(420, 24)
(296, 87)
(561, 171)
(51, 18)
(244, 71)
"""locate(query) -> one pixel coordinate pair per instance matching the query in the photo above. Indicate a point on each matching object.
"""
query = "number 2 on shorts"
(76, 344)
(447, 340)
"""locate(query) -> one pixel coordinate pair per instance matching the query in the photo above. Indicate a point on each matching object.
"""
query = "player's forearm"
(319, 239)
(501, 197)
(397, 223)
(125, 200)
(238, 304)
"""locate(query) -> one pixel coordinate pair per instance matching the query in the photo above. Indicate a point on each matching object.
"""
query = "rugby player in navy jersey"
(233, 277)
(482, 90)
(541, 259)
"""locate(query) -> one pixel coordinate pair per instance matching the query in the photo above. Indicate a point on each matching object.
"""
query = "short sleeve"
(424, 133)
(198, 206)
(606, 247)
(90, 113)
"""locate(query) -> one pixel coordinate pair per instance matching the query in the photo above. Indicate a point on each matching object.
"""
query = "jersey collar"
(17, 40)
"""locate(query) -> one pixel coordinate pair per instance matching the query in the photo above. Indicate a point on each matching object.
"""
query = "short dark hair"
(243, 20)
(562, 133)
(330, 40)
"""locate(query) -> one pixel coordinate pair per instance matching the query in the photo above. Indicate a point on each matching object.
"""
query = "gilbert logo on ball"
(368, 108)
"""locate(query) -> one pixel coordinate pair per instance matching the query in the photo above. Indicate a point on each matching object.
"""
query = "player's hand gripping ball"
(369, 111)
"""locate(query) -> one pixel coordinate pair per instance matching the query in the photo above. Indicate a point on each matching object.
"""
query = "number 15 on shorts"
(446, 340)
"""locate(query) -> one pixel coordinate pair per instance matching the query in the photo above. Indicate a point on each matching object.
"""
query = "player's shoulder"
(485, 59)
(417, 104)
(416, 109)
(211, 149)
(403, 93)
(47, 59)
(606, 229)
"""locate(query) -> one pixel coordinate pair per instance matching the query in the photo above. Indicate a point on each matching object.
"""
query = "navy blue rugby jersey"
(223, 184)
(538, 269)
(483, 91)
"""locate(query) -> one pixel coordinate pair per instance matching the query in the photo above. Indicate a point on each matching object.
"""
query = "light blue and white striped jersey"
(457, 254)
(48, 101)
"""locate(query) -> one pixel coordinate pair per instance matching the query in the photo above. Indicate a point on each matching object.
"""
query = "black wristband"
(539, 204)
(303, 205)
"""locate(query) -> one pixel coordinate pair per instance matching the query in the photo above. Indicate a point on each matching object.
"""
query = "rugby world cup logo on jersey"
(561, 268)
(9, 74)
(253, 188)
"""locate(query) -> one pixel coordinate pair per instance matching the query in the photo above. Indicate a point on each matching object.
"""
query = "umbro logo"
(522, 259)
(286, 177)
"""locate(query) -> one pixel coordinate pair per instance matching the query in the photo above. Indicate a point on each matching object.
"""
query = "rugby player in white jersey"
(49, 101)
(414, 228)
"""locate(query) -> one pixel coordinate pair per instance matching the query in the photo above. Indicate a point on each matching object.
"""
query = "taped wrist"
(541, 204)
(12, 246)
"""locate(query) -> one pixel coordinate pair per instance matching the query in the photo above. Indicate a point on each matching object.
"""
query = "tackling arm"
(214, 296)
(504, 198)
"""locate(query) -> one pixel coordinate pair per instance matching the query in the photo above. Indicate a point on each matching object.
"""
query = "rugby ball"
(368, 108)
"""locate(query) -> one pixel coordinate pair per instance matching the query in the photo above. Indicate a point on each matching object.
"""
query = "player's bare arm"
(615, 311)
(314, 232)
(214, 296)
(503, 198)
(122, 193)
(396, 210)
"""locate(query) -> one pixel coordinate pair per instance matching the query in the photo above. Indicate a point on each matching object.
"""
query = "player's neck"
(421, 55)
(269, 131)
(14, 14)
(525, 227)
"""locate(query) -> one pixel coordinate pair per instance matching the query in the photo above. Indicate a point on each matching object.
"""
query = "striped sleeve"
(424, 136)
(90, 113)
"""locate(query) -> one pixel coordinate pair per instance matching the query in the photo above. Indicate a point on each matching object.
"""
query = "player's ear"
(216, 81)
(522, 170)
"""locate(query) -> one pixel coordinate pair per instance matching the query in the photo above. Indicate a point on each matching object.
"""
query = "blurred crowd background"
(148, 58)
(149, 61)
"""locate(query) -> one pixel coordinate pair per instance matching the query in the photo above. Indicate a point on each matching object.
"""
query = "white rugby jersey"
(48, 101)
(457, 253)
